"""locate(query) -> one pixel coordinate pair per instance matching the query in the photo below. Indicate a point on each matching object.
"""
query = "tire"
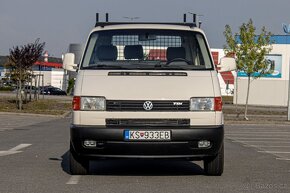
(214, 166)
(77, 164)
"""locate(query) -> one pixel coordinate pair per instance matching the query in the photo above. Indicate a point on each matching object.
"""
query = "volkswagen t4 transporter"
(147, 90)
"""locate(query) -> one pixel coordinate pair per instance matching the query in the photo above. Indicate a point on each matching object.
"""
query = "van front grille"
(134, 105)
(148, 122)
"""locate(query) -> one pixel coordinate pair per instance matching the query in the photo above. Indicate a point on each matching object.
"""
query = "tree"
(250, 51)
(71, 83)
(20, 61)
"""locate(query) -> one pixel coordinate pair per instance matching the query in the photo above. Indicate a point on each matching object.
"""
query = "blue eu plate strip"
(126, 134)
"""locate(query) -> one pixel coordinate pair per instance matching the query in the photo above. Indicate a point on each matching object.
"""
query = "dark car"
(50, 90)
(29, 89)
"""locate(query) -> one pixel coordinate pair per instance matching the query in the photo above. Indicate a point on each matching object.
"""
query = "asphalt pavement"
(34, 158)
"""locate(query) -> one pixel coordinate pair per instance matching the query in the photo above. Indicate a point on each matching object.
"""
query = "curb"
(257, 119)
(256, 122)
(256, 116)
(66, 114)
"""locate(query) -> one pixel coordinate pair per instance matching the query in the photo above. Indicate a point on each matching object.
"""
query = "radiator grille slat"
(147, 122)
(122, 105)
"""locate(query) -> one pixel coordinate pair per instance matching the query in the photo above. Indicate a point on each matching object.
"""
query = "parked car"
(29, 88)
(50, 90)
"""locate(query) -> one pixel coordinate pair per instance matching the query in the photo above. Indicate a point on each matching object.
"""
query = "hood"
(144, 87)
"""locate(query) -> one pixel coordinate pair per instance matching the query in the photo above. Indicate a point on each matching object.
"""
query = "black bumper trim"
(183, 142)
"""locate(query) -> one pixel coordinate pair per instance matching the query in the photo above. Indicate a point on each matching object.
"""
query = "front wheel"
(78, 165)
(214, 166)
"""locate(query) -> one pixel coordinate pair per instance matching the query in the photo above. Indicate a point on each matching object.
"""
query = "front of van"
(147, 91)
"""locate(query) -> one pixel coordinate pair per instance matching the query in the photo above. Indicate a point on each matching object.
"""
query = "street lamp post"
(286, 29)
(288, 117)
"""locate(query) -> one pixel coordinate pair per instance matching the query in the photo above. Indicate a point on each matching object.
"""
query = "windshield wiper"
(103, 66)
(158, 64)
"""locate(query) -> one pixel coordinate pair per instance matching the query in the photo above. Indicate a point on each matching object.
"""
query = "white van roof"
(169, 26)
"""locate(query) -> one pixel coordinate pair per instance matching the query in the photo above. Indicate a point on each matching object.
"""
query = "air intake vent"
(148, 122)
(147, 74)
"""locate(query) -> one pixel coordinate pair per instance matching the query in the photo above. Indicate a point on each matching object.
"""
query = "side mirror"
(69, 62)
(227, 64)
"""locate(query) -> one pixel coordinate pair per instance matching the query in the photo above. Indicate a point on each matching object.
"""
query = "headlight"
(202, 104)
(93, 103)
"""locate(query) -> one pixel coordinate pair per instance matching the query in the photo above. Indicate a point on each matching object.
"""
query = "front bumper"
(111, 143)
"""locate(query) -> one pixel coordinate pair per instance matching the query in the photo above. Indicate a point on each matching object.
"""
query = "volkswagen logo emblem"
(148, 105)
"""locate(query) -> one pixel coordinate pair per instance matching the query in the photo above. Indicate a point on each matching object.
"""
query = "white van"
(147, 90)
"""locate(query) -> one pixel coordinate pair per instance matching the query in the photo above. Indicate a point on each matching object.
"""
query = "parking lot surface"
(34, 158)
(13, 121)
(273, 140)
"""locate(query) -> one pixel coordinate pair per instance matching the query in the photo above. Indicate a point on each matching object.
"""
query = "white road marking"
(18, 147)
(259, 135)
(269, 146)
(268, 142)
(253, 132)
(269, 138)
(14, 150)
(278, 152)
(284, 159)
(260, 129)
(74, 180)
(6, 128)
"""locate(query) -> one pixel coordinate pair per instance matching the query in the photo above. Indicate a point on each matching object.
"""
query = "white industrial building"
(54, 77)
(269, 90)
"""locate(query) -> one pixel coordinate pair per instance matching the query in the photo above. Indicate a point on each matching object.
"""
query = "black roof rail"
(184, 23)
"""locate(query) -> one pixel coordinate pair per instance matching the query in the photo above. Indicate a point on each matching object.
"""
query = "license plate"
(147, 135)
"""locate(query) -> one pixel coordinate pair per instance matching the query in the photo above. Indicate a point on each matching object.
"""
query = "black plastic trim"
(183, 142)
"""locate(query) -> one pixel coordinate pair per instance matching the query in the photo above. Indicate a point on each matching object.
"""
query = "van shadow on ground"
(139, 167)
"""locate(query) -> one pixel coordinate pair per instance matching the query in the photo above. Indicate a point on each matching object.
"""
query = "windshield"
(147, 49)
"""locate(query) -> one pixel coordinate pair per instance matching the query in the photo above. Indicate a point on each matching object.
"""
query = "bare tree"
(21, 60)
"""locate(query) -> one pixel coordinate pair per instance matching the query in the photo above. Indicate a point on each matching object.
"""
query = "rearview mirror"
(69, 62)
(147, 37)
(227, 64)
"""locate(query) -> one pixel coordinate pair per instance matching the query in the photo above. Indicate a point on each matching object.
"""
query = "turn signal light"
(218, 104)
(76, 103)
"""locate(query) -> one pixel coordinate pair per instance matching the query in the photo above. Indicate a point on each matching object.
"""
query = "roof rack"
(184, 23)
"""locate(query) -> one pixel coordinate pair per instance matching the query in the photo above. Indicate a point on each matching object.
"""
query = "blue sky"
(61, 22)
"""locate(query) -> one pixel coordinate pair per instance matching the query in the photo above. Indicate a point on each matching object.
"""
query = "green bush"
(6, 88)
(71, 84)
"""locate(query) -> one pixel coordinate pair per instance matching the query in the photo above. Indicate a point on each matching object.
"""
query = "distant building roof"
(48, 64)
(277, 39)
(281, 39)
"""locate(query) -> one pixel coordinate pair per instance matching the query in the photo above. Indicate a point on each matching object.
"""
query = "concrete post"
(288, 117)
